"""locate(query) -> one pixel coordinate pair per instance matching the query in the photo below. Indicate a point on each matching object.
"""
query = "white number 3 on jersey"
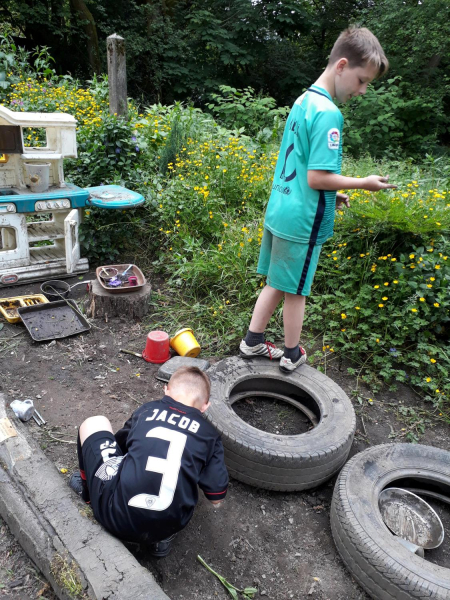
(169, 467)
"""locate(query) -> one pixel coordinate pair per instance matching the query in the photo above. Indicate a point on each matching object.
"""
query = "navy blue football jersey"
(169, 451)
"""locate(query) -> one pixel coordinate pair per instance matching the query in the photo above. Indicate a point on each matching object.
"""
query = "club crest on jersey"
(333, 139)
(109, 468)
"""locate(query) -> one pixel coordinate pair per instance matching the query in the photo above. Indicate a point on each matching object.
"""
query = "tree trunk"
(87, 21)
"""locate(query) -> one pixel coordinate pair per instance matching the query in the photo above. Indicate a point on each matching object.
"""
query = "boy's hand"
(375, 183)
(342, 199)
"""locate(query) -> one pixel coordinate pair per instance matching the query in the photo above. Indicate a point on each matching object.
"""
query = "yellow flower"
(64, 471)
(436, 304)
(432, 360)
(357, 308)
(395, 281)
(437, 392)
(376, 287)
(387, 283)
(381, 305)
(377, 341)
(414, 310)
(384, 298)
(432, 278)
(428, 379)
(437, 267)
(411, 256)
(422, 299)
(343, 316)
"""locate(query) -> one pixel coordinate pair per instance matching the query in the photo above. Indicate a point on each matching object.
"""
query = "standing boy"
(300, 213)
(142, 482)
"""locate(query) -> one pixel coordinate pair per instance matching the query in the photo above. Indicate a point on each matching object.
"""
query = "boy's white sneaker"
(265, 349)
(286, 364)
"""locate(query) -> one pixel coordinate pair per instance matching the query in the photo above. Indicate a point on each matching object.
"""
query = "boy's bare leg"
(265, 306)
(92, 425)
(293, 315)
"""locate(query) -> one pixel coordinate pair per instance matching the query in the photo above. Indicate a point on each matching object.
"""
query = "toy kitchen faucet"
(37, 205)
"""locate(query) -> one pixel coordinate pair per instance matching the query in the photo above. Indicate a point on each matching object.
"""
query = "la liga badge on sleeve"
(333, 139)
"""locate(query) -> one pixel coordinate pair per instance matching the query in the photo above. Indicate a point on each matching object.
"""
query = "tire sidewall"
(357, 492)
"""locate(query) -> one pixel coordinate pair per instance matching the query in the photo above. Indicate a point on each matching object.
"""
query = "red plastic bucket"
(157, 347)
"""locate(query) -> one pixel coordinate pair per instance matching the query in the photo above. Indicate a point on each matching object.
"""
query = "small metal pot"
(57, 289)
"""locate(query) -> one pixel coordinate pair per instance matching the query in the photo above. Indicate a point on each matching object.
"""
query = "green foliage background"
(186, 49)
(381, 295)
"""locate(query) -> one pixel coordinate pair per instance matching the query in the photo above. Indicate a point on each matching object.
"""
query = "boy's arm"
(324, 180)
(214, 477)
(122, 435)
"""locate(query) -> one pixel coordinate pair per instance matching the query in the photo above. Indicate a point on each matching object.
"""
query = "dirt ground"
(278, 542)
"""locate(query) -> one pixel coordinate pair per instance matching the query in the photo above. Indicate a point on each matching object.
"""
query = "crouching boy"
(142, 481)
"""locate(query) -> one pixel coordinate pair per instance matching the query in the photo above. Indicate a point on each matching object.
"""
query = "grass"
(66, 575)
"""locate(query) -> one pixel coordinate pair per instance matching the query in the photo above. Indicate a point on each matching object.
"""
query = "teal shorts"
(289, 266)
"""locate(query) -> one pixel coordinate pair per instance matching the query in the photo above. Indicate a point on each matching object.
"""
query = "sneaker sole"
(249, 356)
(285, 370)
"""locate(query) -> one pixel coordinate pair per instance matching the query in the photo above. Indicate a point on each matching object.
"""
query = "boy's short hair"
(193, 379)
(359, 46)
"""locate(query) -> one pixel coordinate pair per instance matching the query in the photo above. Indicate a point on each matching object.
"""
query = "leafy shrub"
(392, 116)
(249, 113)
(109, 150)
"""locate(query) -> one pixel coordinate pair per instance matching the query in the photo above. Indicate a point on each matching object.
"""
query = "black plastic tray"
(53, 321)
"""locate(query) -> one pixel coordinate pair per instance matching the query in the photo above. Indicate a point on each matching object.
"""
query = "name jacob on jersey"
(182, 422)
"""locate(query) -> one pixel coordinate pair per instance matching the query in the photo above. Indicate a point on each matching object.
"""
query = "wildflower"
(343, 316)
(376, 287)
(414, 310)
(384, 298)
(343, 329)
(381, 305)
(422, 299)
(428, 379)
(437, 267)
(357, 308)
(436, 304)
(432, 278)
(377, 341)
(393, 351)
(370, 401)
(432, 360)
(411, 256)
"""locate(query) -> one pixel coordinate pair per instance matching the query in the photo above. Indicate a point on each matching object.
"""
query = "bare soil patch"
(279, 542)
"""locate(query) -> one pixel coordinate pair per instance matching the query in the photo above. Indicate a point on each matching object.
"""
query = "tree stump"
(102, 303)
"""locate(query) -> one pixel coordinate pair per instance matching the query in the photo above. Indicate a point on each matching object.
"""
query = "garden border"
(47, 520)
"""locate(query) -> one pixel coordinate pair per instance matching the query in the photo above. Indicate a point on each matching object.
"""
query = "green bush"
(392, 118)
(249, 113)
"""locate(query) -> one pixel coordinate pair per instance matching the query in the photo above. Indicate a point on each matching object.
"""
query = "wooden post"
(117, 75)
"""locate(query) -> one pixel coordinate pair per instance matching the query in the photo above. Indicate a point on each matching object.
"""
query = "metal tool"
(39, 419)
(131, 352)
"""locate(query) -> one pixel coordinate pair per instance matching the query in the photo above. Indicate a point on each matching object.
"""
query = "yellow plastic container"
(9, 306)
(185, 344)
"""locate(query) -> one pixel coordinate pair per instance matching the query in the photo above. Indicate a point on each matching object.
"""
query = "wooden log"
(104, 304)
(117, 76)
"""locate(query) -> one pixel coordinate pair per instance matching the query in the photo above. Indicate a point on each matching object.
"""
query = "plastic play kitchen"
(37, 205)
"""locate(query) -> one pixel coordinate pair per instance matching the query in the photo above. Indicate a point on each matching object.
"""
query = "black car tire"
(379, 563)
(281, 462)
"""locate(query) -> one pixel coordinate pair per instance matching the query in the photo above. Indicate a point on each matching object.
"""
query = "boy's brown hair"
(359, 46)
(193, 379)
